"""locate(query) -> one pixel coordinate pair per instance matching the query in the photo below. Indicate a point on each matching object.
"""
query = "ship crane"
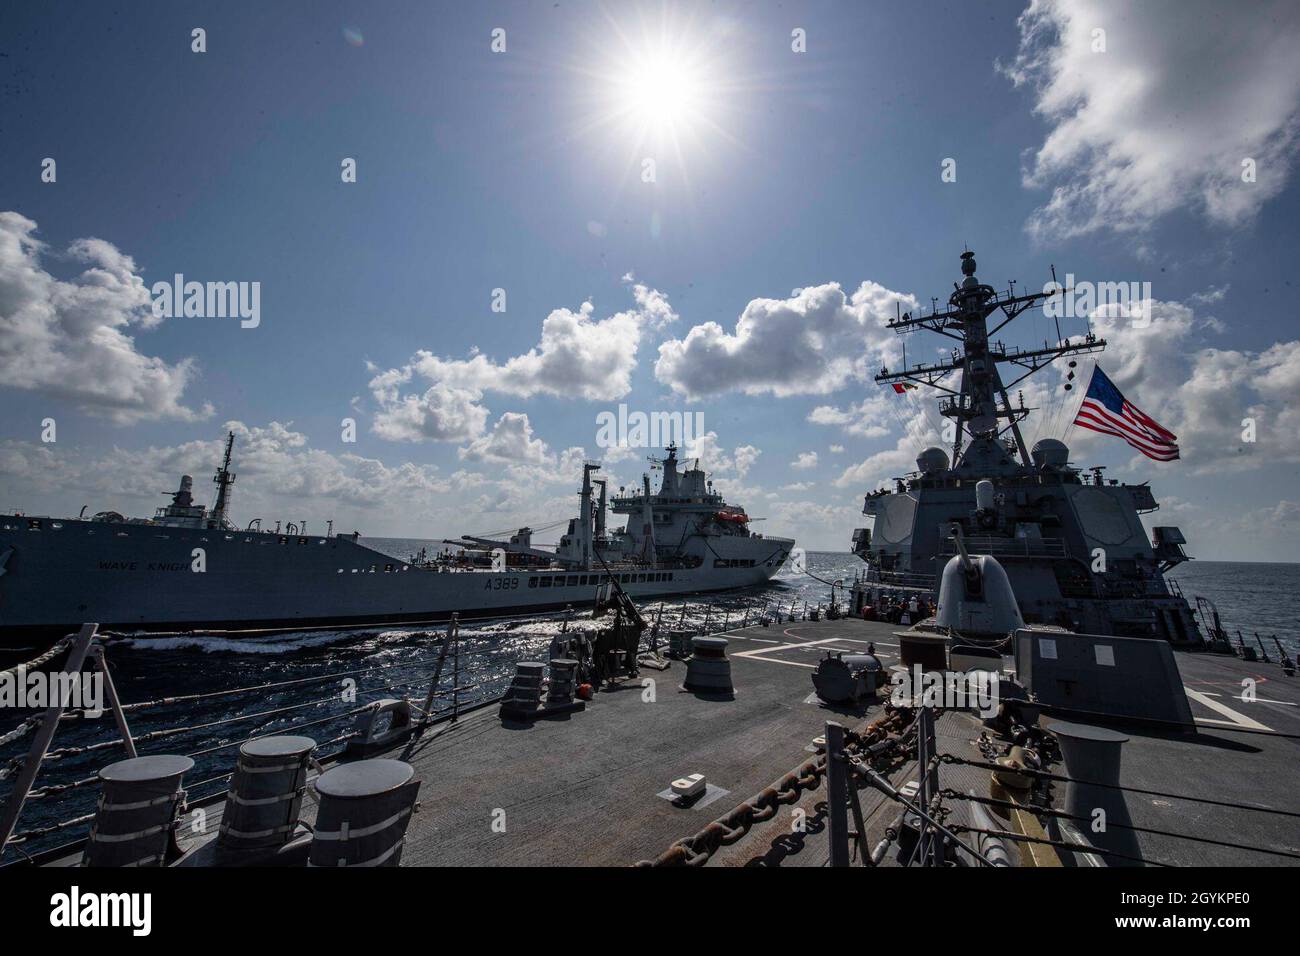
(980, 404)
(223, 480)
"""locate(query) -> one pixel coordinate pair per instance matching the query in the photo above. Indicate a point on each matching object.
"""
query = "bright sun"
(659, 91)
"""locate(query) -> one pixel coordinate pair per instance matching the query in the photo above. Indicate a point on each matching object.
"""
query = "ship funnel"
(183, 497)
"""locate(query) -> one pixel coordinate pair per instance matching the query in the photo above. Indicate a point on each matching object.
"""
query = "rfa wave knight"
(190, 568)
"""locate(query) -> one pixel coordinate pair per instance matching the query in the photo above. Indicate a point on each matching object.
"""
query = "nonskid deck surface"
(1245, 752)
(584, 788)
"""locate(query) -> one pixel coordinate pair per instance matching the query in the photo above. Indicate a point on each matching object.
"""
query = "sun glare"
(658, 95)
(659, 91)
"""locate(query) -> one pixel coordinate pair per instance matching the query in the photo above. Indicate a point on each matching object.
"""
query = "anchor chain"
(878, 739)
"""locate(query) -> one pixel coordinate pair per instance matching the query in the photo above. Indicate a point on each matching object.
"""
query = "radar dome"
(1050, 453)
(932, 460)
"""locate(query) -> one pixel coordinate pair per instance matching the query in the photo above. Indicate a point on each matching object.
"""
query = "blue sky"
(517, 171)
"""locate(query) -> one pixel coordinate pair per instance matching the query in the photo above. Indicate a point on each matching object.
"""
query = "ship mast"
(223, 480)
(981, 404)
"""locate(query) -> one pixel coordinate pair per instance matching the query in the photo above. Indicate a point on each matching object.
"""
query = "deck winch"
(847, 678)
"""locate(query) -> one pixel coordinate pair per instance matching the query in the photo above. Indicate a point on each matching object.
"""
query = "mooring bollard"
(708, 671)
(524, 694)
(135, 823)
(1092, 761)
(365, 808)
(265, 795)
(561, 687)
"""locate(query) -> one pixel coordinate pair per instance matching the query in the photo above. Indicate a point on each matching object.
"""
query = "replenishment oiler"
(190, 568)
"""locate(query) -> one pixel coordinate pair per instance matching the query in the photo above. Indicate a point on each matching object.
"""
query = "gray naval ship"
(191, 568)
(1071, 541)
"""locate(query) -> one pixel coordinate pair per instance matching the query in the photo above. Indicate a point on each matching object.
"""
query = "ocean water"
(1251, 597)
(339, 671)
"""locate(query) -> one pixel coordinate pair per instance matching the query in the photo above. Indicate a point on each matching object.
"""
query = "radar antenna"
(981, 404)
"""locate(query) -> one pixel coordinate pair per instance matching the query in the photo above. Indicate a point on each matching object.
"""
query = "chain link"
(730, 828)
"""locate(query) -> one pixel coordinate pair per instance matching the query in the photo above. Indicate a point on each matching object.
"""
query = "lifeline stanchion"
(452, 628)
(44, 734)
(837, 793)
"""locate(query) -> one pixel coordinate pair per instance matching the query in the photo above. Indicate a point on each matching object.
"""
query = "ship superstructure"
(1072, 542)
(685, 524)
(191, 568)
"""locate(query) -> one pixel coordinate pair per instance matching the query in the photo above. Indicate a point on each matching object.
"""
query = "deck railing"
(457, 675)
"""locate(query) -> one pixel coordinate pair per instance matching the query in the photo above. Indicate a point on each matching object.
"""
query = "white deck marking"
(758, 652)
(851, 640)
(1234, 719)
(1257, 700)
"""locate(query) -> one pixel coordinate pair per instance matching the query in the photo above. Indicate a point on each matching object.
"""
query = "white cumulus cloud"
(715, 459)
(578, 356)
(72, 339)
(812, 343)
(1183, 93)
(511, 440)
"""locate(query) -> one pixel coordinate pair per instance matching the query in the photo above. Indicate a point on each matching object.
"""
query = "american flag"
(1106, 410)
